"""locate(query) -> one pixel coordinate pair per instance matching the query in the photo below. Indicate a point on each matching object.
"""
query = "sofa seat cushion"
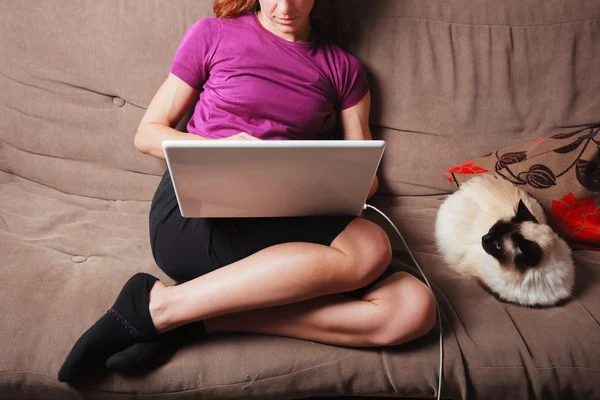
(65, 258)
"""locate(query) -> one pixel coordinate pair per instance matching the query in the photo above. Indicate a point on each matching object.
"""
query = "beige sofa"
(450, 81)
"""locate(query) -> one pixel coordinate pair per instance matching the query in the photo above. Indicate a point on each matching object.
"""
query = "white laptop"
(272, 178)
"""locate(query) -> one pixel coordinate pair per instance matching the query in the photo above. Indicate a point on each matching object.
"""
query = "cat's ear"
(523, 213)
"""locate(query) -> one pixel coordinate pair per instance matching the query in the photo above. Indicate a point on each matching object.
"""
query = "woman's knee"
(369, 250)
(410, 307)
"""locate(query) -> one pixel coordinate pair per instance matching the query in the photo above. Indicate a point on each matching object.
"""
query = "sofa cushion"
(65, 258)
(561, 171)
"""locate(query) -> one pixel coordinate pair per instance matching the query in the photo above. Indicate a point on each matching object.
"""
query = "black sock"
(124, 324)
(148, 355)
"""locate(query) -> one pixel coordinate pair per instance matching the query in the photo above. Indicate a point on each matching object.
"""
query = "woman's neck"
(302, 34)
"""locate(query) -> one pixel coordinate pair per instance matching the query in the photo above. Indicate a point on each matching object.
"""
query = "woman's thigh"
(186, 248)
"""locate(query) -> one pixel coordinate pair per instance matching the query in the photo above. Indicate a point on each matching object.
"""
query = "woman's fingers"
(241, 136)
(247, 136)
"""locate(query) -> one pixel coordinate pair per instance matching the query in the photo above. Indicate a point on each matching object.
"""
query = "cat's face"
(514, 246)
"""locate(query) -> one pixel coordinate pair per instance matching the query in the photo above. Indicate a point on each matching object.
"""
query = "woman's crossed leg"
(295, 289)
(290, 289)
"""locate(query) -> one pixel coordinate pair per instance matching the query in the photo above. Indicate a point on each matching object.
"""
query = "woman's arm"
(355, 125)
(166, 109)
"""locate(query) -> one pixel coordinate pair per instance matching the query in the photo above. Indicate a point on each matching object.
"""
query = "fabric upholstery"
(448, 80)
(67, 256)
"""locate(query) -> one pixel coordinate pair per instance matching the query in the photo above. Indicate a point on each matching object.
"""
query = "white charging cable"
(439, 391)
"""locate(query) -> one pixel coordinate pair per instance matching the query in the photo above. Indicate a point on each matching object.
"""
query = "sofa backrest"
(454, 80)
(450, 81)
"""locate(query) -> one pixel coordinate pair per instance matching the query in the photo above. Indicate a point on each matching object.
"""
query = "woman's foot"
(127, 322)
(145, 354)
(149, 355)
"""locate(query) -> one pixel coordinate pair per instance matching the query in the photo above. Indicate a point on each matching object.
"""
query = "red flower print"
(466, 168)
(578, 221)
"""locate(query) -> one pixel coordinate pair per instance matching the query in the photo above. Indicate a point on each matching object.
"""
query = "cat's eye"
(497, 244)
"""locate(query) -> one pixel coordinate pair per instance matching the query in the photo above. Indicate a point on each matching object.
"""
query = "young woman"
(265, 74)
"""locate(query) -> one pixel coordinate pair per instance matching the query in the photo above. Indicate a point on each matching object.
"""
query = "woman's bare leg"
(395, 310)
(281, 274)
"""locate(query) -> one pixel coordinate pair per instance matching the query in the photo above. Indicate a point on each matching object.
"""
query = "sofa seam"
(497, 25)
(387, 371)
(78, 195)
(99, 225)
(242, 382)
(60, 157)
(586, 310)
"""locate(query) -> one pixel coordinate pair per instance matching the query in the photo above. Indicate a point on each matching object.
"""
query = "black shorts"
(186, 248)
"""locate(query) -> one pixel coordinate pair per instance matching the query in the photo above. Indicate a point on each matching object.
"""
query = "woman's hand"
(241, 136)
(374, 186)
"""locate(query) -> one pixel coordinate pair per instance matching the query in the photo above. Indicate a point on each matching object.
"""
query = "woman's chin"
(287, 29)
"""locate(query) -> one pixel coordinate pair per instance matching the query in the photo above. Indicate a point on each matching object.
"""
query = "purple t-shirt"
(256, 82)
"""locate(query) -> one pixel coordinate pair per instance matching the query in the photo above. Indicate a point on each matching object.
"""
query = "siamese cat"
(496, 233)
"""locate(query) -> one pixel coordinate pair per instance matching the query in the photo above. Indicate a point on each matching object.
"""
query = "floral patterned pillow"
(562, 172)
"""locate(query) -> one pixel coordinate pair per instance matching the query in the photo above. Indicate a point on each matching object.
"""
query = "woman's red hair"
(233, 8)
